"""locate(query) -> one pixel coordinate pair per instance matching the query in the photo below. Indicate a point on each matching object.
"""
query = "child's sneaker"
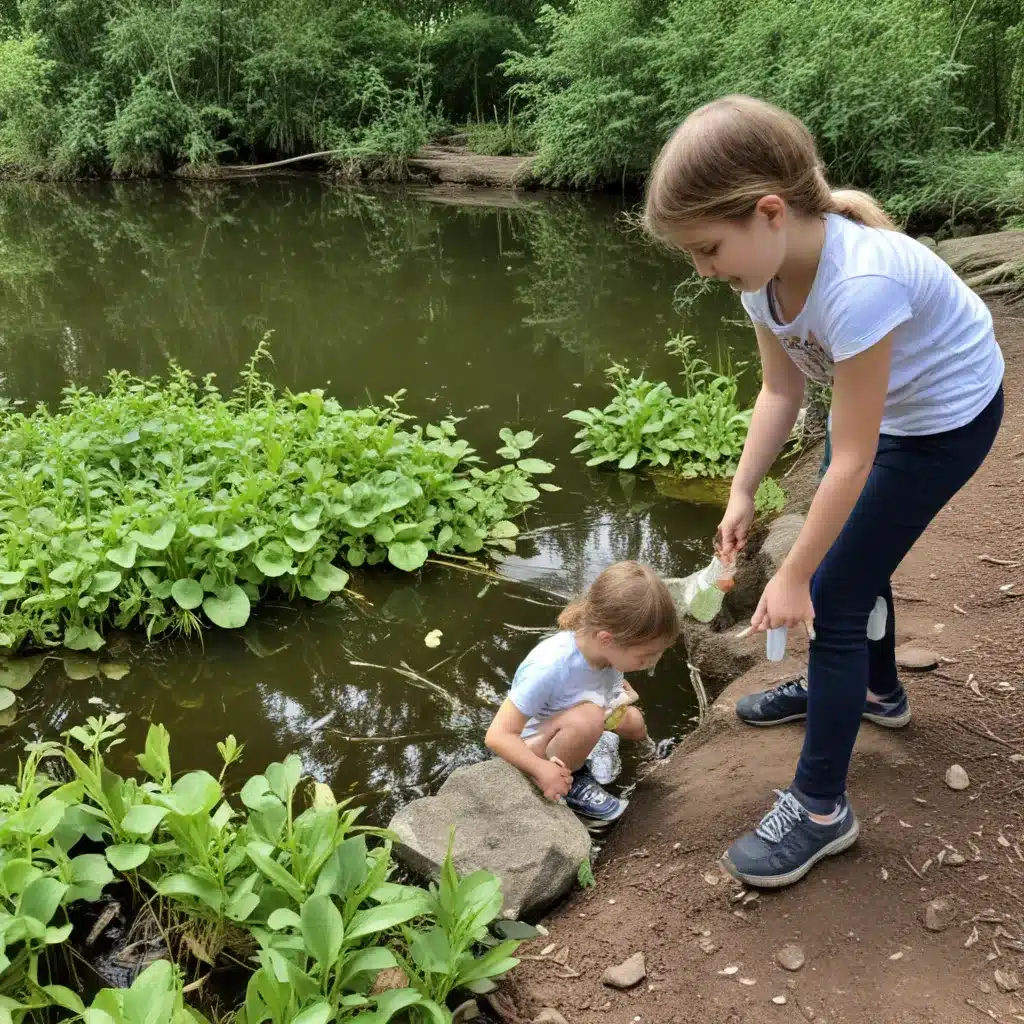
(588, 799)
(787, 702)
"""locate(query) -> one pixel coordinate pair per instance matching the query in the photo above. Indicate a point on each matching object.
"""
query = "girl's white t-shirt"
(946, 365)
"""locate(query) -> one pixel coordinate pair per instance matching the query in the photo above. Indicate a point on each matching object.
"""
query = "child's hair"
(729, 154)
(628, 600)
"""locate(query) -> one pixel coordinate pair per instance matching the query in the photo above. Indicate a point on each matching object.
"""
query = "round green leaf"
(114, 669)
(235, 540)
(311, 592)
(127, 856)
(187, 593)
(408, 555)
(159, 539)
(274, 559)
(228, 608)
(17, 673)
(124, 556)
(81, 638)
(328, 576)
(10, 579)
(7, 698)
(535, 466)
(504, 528)
(65, 572)
(80, 666)
(106, 581)
(204, 531)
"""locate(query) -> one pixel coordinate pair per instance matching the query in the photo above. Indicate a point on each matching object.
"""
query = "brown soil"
(858, 917)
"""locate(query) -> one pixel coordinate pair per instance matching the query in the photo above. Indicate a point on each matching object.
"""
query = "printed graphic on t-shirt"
(810, 357)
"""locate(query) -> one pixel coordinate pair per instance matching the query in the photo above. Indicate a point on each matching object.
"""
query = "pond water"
(507, 316)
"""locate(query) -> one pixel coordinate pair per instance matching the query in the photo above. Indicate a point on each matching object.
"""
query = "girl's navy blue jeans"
(911, 480)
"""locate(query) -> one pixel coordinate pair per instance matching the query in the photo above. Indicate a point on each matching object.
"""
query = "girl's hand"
(732, 531)
(786, 601)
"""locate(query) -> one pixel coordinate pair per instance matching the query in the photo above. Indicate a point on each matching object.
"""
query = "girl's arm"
(504, 738)
(858, 399)
(775, 411)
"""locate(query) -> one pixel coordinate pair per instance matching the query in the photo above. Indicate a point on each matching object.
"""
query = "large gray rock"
(502, 824)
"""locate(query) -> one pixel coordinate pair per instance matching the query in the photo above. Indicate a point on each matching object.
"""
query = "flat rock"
(937, 915)
(549, 1016)
(502, 824)
(955, 860)
(627, 974)
(791, 957)
(916, 659)
(957, 777)
(1007, 981)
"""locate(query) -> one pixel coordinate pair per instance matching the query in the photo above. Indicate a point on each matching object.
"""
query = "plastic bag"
(702, 593)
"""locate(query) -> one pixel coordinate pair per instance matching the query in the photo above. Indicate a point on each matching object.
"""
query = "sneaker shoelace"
(782, 818)
(790, 688)
(591, 792)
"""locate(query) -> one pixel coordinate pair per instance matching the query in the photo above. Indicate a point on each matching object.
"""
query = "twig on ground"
(912, 868)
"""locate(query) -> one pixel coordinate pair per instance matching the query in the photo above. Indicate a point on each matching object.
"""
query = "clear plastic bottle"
(877, 619)
(775, 639)
(704, 591)
(775, 643)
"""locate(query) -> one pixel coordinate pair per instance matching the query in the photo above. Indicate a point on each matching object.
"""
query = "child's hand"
(553, 778)
(731, 537)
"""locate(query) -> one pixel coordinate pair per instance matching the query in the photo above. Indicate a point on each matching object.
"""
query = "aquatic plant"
(769, 498)
(698, 433)
(164, 503)
(280, 872)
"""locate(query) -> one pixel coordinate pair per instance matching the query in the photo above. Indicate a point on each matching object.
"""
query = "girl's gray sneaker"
(787, 702)
(787, 843)
(590, 800)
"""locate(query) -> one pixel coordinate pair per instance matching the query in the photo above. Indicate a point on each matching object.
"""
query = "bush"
(699, 433)
(162, 501)
(279, 871)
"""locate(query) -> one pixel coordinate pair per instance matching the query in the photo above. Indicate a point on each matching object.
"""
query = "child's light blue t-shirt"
(555, 677)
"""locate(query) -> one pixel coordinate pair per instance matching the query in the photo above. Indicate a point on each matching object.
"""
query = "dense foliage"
(697, 433)
(889, 88)
(163, 501)
(279, 880)
(912, 99)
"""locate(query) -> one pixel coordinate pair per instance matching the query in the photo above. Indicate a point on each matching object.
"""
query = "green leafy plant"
(441, 958)
(292, 879)
(699, 432)
(157, 994)
(162, 502)
(769, 498)
(40, 823)
(585, 875)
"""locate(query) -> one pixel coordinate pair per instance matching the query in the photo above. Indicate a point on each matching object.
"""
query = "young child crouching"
(570, 683)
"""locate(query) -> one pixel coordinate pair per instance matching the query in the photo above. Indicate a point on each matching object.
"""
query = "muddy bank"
(873, 949)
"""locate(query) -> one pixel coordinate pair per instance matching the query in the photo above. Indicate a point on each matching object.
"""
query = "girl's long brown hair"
(729, 154)
(628, 600)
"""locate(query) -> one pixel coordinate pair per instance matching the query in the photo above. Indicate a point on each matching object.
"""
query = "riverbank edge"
(704, 769)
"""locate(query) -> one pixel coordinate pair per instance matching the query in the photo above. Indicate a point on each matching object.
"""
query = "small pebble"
(728, 972)
(954, 860)
(549, 1015)
(937, 915)
(627, 974)
(791, 957)
(897, 956)
(956, 777)
(748, 981)
(779, 1000)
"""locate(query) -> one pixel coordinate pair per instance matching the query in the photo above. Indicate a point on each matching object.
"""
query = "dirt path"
(858, 918)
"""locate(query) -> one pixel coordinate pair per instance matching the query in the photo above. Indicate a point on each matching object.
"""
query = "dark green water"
(505, 316)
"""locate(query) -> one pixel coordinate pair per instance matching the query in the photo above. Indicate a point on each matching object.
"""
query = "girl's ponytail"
(573, 615)
(860, 207)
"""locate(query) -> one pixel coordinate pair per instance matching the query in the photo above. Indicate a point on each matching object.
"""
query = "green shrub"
(770, 498)
(287, 872)
(161, 501)
(699, 432)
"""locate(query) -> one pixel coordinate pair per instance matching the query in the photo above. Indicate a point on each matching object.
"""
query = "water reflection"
(509, 316)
